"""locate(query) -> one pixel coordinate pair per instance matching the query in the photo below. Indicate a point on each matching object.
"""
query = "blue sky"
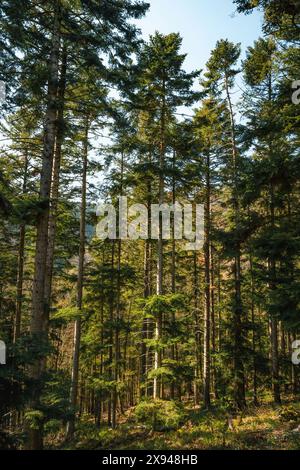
(201, 23)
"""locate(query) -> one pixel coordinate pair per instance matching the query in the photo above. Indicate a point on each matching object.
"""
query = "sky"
(201, 23)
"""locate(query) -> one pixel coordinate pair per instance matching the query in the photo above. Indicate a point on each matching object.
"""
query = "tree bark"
(207, 303)
(255, 397)
(80, 279)
(173, 261)
(39, 321)
(55, 182)
(238, 364)
(159, 283)
(273, 320)
(198, 339)
(22, 233)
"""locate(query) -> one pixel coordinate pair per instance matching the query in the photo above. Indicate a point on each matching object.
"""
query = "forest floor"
(266, 427)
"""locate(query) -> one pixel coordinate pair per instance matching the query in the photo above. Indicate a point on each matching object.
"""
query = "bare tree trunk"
(255, 398)
(118, 314)
(213, 317)
(39, 320)
(173, 261)
(146, 330)
(293, 368)
(207, 303)
(22, 232)
(198, 340)
(274, 360)
(239, 374)
(99, 399)
(111, 411)
(55, 181)
(80, 279)
(283, 351)
(273, 282)
(159, 283)
(145, 327)
(273, 320)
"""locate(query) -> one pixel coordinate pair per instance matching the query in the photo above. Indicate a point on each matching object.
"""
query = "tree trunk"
(238, 363)
(118, 314)
(55, 182)
(159, 283)
(22, 233)
(273, 320)
(198, 340)
(80, 278)
(255, 398)
(173, 261)
(111, 410)
(207, 303)
(39, 320)
(213, 317)
(145, 326)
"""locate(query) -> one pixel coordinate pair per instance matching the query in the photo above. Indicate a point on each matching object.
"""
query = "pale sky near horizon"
(201, 23)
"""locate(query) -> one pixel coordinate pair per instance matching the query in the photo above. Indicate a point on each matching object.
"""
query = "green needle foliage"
(122, 342)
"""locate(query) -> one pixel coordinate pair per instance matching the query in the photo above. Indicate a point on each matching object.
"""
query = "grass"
(261, 428)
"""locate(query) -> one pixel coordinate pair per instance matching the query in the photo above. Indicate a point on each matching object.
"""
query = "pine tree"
(165, 86)
(220, 77)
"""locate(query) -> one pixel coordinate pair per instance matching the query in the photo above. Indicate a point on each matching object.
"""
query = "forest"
(141, 342)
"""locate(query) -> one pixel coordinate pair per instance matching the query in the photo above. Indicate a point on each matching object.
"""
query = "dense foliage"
(95, 328)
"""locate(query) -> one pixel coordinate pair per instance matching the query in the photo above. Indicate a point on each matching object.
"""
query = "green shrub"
(53, 426)
(289, 413)
(34, 418)
(159, 414)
